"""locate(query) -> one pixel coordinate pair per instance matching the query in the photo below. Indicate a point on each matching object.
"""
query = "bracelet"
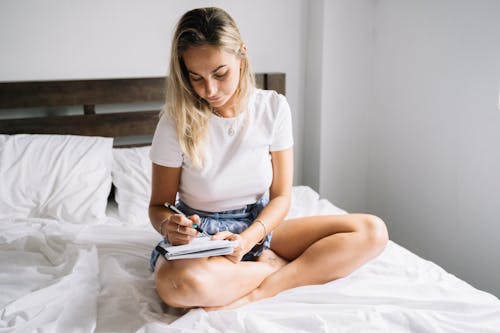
(166, 220)
(265, 230)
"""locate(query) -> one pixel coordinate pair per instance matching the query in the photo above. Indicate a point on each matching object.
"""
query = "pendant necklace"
(231, 130)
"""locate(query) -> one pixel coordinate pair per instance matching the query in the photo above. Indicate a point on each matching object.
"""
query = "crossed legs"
(319, 249)
(206, 282)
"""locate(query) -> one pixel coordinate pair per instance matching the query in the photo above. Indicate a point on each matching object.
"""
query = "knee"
(375, 233)
(179, 286)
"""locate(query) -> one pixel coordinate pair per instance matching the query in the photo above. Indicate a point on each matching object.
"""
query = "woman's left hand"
(239, 251)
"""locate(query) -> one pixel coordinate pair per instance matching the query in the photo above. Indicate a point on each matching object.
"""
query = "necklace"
(230, 130)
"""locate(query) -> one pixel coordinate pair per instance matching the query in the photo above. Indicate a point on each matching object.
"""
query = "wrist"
(264, 230)
(255, 234)
(163, 225)
(246, 243)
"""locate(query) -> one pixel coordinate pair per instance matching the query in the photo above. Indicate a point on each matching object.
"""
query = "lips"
(214, 100)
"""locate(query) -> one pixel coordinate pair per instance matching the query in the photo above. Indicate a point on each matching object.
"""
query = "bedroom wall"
(434, 139)
(313, 97)
(346, 91)
(408, 123)
(338, 98)
(79, 39)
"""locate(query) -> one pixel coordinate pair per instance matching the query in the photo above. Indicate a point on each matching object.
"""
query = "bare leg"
(322, 249)
(270, 257)
(212, 281)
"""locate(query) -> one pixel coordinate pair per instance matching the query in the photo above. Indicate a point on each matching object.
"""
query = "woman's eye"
(196, 78)
(220, 75)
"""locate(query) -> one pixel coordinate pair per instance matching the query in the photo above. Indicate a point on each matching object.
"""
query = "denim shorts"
(235, 221)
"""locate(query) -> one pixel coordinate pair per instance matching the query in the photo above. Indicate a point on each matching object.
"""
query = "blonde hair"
(191, 114)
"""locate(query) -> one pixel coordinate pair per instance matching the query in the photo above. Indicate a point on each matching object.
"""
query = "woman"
(225, 148)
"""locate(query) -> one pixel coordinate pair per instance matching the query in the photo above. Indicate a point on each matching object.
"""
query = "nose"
(210, 88)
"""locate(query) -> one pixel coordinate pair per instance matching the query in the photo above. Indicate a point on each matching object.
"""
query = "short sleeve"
(282, 129)
(165, 148)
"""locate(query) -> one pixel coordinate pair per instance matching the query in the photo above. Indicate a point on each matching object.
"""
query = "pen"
(176, 210)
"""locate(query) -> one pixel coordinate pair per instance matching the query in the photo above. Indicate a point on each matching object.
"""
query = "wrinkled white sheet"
(47, 282)
(58, 277)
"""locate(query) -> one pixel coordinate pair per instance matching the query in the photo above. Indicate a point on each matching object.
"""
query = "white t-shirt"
(237, 170)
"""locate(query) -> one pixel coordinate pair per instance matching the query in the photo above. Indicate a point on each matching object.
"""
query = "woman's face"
(214, 74)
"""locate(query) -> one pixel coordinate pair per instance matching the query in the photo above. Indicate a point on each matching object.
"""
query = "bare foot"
(275, 262)
(248, 298)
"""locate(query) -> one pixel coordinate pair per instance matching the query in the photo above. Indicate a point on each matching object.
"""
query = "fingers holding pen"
(180, 230)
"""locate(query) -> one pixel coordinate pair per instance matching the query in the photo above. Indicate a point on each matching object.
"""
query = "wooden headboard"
(89, 93)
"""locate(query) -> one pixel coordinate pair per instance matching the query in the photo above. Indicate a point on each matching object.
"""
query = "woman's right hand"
(180, 229)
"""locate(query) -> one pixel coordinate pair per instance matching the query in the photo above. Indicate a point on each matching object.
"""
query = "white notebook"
(198, 248)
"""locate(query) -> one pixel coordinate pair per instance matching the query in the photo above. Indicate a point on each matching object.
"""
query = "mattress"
(61, 277)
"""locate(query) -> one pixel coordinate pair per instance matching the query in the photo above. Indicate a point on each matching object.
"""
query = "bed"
(75, 239)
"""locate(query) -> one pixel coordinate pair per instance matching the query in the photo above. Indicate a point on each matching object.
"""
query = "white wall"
(313, 99)
(408, 123)
(80, 39)
(346, 91)
(338, 97)
(433, 169)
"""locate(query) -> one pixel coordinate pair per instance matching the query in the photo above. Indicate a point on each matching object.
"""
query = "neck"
(228, 112)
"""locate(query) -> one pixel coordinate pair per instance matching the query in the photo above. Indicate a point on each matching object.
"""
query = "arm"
(164, 187)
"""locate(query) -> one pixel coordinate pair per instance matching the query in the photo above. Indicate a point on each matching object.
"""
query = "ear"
(243, 49)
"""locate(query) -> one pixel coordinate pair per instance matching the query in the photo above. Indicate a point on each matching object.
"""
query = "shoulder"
(269, 102)
(166, 122)
(268, 97)
(165, 148)
(166, 130)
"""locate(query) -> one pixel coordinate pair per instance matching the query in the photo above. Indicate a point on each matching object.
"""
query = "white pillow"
(131, 175)
(307, 202)
(62, 177)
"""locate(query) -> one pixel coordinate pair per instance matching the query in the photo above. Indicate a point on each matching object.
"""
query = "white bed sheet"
(60, 277)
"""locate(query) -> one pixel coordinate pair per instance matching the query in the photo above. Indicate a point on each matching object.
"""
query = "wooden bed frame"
(88, 94)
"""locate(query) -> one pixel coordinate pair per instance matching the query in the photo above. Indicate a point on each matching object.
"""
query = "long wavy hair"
(191, 114)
